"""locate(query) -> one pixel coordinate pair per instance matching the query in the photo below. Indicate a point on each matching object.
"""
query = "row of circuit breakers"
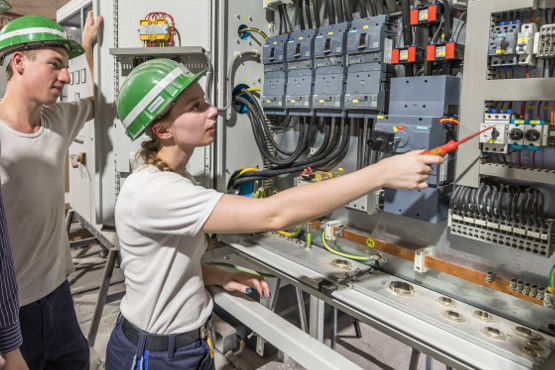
(339, 70)
(308, 71)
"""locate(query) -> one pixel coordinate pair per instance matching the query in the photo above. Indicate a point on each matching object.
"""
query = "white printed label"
(388, 48)
(155, 104)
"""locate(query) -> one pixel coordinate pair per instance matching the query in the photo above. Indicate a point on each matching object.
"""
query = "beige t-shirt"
(159, 217)
(32, 168)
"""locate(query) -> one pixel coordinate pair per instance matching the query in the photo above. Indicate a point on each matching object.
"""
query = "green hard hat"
(34, 31)
(149, 91)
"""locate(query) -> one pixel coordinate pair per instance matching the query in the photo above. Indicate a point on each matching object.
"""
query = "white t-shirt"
(32, 169)
(159, 217)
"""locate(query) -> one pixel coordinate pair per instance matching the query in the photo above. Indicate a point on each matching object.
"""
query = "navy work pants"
(52, 338)
(123, 355)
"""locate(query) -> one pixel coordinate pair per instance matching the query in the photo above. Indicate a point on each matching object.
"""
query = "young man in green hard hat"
(35, 133)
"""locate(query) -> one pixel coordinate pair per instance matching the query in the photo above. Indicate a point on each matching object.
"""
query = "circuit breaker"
(330, 68)
(300, 72)
(369, 41)
(275, 74)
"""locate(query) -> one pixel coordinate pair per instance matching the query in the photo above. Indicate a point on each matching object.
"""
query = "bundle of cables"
(334, 144)
(502, 202)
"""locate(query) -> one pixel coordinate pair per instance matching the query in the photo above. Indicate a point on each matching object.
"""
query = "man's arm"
(10, 332)
(90, 33)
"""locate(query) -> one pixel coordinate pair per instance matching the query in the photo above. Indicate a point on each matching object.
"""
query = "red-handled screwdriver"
(452, 145)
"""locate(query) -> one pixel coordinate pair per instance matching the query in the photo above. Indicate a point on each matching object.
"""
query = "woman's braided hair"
(149, 154)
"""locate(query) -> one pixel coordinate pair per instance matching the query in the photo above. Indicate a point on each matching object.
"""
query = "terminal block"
(275, 74)
(497, 139)
(425, 14)
(502, 44)
(509, 216)
(546, 41)
(330, 69)
(300, 72)
(525, 44)
(154, 30)
(367, 87)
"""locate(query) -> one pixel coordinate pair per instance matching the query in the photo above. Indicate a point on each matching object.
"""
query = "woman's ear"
(161, 129)
(17, 62)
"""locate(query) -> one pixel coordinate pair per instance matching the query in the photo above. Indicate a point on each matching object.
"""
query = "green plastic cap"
(149, 91)
(33, 31)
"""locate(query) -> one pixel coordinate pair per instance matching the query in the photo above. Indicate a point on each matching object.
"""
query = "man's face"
(45, 76)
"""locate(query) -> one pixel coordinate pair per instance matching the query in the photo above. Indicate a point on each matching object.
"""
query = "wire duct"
(540, 159)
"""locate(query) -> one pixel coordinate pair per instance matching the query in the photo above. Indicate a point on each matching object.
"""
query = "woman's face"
(194, 123)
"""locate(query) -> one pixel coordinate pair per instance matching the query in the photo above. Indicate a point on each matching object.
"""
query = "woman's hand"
(243, 282)
(235, 281)
(409, 170)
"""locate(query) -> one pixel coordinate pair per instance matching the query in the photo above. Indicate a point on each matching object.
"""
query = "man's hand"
(13, 361)
(92, 27)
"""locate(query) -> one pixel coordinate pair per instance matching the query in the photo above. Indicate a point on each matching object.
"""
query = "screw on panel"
(490, 275)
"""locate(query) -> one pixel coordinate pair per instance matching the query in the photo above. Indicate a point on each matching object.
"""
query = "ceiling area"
(36, 7)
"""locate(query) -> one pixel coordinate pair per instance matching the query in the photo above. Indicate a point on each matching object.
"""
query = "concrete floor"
(373, 351)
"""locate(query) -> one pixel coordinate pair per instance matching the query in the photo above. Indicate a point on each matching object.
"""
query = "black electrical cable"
(301, 144)
(448, 19)
(263, 124)
(363, 10)
(360, 144)
(339, 11)
(453, 196)
(308, 16)
(514, 205)
(281, 21)
(385, 7)
(534, 218)
(472, 209)
(484, 201)
(300, 11)
(520, 206)
(405, 18)
(338, 150)
(540, 213)
(331, 12)
(477, 200)
(323, 151)
(498, 202)
(348, 10)
(373, 7)
(259, 112)
(325, 140)
(367, 149)
(287, 18)
(529, 207)
(316, 7)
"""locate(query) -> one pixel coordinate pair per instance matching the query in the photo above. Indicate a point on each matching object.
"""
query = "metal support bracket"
(420, 257)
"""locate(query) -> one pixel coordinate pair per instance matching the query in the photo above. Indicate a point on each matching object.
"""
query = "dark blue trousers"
(52, 338)
(123, 355)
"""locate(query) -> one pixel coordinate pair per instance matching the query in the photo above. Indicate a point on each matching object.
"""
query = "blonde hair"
(149, 154)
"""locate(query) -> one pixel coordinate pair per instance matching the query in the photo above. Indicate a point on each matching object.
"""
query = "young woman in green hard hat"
(162, 214)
